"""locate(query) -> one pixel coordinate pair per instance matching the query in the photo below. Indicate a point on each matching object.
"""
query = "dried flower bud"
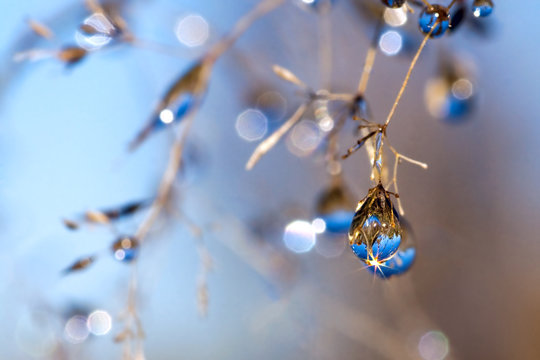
(71, 54)
(80, 264)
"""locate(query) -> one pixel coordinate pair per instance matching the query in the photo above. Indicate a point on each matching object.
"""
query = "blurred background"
(473, 291)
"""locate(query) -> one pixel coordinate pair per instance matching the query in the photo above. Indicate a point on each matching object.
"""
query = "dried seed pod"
(124, 210)
(71, 54)
(40, 29)
(80, 264)
(125, 248)
(70, 224)
(98, 217)
(375, 232)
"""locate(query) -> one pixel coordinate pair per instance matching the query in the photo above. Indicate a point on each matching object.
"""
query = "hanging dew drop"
(435, 17)
(402, 261)
(375, 232)
(335, 208)
(125, 249)
(482, 8)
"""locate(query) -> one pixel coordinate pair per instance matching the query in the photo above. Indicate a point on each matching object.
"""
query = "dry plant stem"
(269, 142)
(370, 60)
(325, 47)
(451, 4)
(242, 25)
(289, 76)
(175, 156)
(398, 157)
(167, 180)
(134, 340)
(408, 76)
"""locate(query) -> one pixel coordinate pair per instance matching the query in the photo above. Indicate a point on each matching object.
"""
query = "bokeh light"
(192, 30)
(99, 322)
(76, 330)
(433, 345)
(299, 236)
(391, 42)
(251, 125)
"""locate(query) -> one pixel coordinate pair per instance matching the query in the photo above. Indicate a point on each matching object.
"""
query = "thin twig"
(325, 46)
(407, 77)
(398, 157)
(242, 25)
(167, 180)
(272, 140)
(370, 60)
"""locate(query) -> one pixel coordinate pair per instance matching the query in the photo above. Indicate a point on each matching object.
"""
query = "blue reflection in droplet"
(318, 4)
(399, 264)
(456, 108)
(436, 14)
(482, 8)
(382, 248)
(125, 255)
(338, 221)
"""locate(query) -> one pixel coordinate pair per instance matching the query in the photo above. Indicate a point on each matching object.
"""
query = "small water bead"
(404, 258)
(393, 3)
(434, 16)
(375, 233)
(318, 5)
(397, 265)
(335, 207)
(125, 248)
(179, 100)
(482, 8)
(449, 99)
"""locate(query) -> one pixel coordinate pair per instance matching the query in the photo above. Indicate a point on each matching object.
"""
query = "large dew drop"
(375, 233)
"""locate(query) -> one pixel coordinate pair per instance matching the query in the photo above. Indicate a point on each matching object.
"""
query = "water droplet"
(317, 5)
(393, 3)
(435, 14)
(482, 8)
(402, 261)
(395, 16)
(449, 99)
(95, 32)
(181, 97)
(375, 233)
(335, 208)
(125, 248)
